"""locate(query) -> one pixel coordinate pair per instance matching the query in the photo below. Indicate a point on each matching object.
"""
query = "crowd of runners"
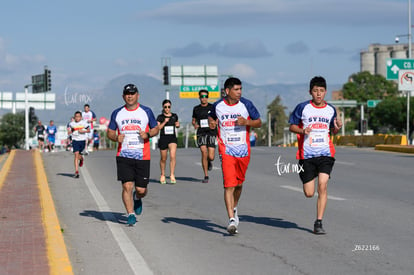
(227, 123)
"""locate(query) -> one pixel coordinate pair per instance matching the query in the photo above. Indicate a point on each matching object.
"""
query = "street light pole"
(409, 57)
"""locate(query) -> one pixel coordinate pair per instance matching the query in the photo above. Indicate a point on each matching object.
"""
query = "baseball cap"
(130, 89)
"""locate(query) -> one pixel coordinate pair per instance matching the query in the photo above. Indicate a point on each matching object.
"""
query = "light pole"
(409, 57)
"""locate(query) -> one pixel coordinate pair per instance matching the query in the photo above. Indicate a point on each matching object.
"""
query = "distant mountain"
(103, 101)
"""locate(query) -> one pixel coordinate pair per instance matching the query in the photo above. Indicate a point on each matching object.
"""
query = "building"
(374, 59)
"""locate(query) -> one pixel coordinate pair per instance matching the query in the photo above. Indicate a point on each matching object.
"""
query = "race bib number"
(235, 139)
(40, 136)
(51, 132)
(204, 123)
(75, 133)
(318, 139)
(134, 142)
(169, 130)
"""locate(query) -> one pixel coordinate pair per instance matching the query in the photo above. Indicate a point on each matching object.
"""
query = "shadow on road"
(105, 216)
(276, 222)
(201, 224)
(70, 175)
(191, 179)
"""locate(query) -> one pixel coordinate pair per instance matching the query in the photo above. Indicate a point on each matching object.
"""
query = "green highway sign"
(192, 91)
(197, 88)
(394, 65)
(373, 103)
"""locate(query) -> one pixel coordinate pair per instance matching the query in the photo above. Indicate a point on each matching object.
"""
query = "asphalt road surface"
(369, 218)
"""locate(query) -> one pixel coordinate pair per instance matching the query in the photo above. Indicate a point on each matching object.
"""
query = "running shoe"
(232, 227)
(81, 162)
(236, 217)
(173, 180)
(76, 176)
(205, 180)
(137, 205)
(162, 180)
(317, 228)
(210, 166)
(131, 220)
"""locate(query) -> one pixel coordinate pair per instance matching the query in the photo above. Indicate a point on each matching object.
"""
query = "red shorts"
(234, 170)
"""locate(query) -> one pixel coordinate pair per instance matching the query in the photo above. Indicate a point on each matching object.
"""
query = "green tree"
(12, 129)
(278, 121)
(364, 86)
(390, 115)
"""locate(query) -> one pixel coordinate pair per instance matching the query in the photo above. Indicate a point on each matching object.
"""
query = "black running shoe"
(210, 166)
(76, 176)
(317, 228)
(205, 180)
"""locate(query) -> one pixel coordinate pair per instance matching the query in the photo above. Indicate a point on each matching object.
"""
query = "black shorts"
(313, 166)
(165, 140)
(134, 170)
(78, 145)
(206, 140)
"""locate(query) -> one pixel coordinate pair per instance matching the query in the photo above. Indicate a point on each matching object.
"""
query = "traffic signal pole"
(26, 116)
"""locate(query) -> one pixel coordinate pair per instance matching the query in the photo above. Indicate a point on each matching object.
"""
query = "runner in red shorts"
(234, 116)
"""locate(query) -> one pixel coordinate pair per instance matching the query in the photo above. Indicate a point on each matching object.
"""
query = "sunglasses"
(203, 96)
(167, 107)
(129, 93)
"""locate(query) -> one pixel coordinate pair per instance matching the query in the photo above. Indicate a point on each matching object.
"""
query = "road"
(369, 218)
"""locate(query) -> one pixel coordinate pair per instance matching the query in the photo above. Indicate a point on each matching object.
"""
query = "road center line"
(301, 190)
(133, 257)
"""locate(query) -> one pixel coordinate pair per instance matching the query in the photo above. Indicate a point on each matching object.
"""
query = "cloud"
(242, 71)
(241, 49)
(259, 12)
(298, 47)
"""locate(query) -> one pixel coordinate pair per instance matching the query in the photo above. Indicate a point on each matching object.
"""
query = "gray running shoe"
(317, 228)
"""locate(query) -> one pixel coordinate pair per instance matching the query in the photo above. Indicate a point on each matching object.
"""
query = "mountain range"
(104, 100)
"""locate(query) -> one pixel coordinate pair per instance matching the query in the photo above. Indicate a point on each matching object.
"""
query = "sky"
(87, 43)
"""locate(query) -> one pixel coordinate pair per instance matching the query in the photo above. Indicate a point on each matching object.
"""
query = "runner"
(234, 116)
(51, 133)
(79, 130)
(206, 137)
(131, 126)
(311, 121)
(69, 138)
(167, 123)
(40, 132)
(90, 117)
(96, 139)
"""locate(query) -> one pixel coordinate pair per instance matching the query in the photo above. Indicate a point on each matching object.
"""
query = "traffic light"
(32, 115)
(165, 75)
(364, 126)
(47, 81)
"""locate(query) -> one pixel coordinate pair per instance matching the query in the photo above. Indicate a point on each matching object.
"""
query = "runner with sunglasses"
(206, 137)
(167, 123)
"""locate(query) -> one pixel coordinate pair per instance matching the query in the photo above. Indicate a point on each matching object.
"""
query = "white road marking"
(133, 257)
(301, 190)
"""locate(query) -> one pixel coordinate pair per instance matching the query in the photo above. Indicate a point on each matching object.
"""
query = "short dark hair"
(231, 81)
(166, 101)
(86, 105)
(202, 91)
(78, 112)
(317, 81)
